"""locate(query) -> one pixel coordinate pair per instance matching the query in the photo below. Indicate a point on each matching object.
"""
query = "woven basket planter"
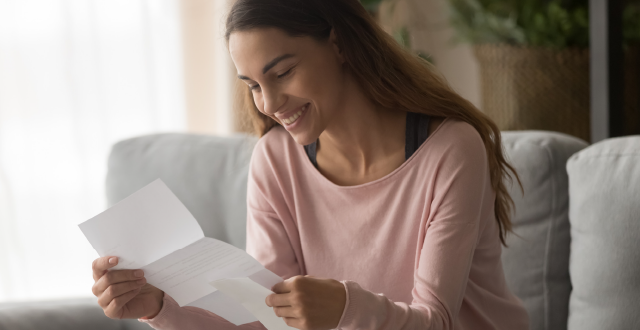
(544, 89)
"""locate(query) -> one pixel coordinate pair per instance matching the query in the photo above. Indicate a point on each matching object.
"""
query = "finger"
(278, 300)
(114, 309)
(280, 288)
(285, 312)
(114, 277)
(101, 265)
(293, 322)
(286, 285)
(117, 290)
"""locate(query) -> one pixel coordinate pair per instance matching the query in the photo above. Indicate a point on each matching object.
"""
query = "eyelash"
(280, 76)
(285, 74)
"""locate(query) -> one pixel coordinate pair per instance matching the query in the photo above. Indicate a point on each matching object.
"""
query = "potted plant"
(534, 61)
(384, 11)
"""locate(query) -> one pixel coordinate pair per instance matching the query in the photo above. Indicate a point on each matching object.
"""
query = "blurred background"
(76, 76)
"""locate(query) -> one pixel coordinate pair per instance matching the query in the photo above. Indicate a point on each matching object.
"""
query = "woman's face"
(298, 81)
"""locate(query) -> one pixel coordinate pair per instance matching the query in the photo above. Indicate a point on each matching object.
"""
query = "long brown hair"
(389, 75)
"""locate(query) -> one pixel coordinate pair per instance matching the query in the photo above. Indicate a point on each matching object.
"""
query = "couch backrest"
(604, 186)
(536, 264)
(207, 173)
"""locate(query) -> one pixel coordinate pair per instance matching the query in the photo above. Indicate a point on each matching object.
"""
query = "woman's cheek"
(259, 102)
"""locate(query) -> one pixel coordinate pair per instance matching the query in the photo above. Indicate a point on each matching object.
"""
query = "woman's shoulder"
(452, 141)
(453, 146)
(454, 135)
(276, 140)
(274, 149)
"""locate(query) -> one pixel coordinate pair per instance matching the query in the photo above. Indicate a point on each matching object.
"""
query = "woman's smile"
(293, 120)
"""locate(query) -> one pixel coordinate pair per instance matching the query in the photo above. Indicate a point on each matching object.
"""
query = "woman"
(371, 175)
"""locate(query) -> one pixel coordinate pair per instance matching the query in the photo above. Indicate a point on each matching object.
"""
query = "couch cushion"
(207, 173)
(604, 187)
(536, 263)
(68, 314)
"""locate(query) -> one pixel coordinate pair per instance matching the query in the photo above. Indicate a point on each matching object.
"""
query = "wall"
(208, 69)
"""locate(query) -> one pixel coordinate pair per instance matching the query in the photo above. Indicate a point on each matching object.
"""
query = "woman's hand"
(124, 294)
(309, 303)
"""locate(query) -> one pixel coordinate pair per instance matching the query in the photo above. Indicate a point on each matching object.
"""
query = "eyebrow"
(269, 65)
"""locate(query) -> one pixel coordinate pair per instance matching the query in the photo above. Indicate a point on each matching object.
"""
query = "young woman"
(376, 192)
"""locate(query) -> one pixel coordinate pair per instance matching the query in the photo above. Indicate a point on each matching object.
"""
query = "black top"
(416, 133)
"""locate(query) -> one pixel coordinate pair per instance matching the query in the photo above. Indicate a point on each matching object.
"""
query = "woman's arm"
(174, 317)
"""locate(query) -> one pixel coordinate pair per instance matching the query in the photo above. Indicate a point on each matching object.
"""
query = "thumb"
(284, 286)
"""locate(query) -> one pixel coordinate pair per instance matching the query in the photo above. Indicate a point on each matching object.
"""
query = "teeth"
(295, 117)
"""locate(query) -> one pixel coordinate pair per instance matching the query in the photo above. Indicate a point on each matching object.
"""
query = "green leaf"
(403, 37)
(545, 23)
(371, 4)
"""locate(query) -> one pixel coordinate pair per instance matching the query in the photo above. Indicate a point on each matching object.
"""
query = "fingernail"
(113, 260)
(140, 282)
(138, 273)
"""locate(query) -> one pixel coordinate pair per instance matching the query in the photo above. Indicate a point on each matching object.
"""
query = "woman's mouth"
(294, 118)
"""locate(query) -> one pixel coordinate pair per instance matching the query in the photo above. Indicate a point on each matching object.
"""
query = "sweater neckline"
(309, 166)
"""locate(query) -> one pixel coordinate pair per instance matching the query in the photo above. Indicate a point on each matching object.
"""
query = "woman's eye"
(285, 74)
(279, 76)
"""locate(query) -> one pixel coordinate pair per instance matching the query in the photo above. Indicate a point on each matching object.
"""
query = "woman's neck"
(363, 143)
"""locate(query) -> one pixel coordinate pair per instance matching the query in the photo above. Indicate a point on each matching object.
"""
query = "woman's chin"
(302, 138)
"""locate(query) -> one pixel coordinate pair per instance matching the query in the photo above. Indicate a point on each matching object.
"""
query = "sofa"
(574, 257)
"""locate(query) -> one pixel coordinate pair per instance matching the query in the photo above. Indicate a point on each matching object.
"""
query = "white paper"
(252, 296)
(185, 274)
(153, 231)
(142, 228)
(225, 307)
(266, 278)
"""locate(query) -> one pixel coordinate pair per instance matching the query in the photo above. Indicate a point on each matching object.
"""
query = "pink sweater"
(416, 249)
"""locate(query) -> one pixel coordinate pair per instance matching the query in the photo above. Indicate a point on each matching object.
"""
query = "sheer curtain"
(75, 77)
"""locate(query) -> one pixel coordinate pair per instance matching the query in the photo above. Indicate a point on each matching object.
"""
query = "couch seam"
(550, 237)
(585, 157)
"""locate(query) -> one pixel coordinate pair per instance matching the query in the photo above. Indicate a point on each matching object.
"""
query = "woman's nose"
(272, 100)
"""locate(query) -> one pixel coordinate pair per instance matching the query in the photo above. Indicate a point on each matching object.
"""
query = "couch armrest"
(76, 314)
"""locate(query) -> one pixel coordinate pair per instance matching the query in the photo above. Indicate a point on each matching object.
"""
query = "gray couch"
(575, 261)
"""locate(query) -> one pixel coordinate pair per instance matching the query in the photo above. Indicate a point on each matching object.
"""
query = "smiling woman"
(376, 192)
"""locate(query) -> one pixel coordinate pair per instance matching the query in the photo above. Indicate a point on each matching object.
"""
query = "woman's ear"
(333, 39)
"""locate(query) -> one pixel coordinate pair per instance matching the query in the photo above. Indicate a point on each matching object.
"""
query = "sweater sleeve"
(267, 242)
(462, 198)
(270, 228)
(174, 317)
